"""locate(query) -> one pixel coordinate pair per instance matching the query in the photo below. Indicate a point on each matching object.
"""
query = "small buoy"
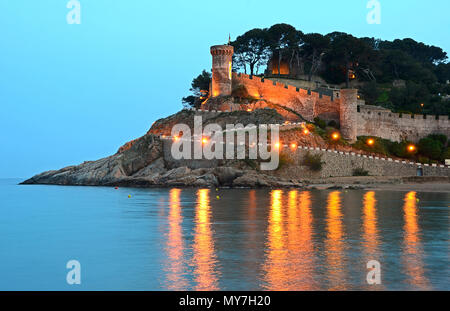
(129, 196)
(418, 200)
(217, 197)
(217, 189)
(116, 188)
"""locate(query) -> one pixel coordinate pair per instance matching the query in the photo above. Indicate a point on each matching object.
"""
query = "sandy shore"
(423, 184)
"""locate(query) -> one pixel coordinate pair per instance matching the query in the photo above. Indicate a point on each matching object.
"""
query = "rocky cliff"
(141, 161)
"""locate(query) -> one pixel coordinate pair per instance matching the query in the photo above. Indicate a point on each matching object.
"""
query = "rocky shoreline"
(141, 163)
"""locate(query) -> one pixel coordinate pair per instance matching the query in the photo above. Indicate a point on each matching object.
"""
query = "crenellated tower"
(222, 64)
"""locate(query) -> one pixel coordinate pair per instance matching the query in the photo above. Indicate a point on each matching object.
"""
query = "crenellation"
(356, 118)
(291, 88)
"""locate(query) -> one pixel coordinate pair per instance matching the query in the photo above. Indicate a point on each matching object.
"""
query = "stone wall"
(308, 104)
(341, 164)
(336, 164)
(397, 127)
(368, 121)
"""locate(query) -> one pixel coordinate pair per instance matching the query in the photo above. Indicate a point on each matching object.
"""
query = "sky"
(76, 92)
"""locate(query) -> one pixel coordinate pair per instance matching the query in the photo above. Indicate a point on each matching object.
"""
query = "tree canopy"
(375, 65)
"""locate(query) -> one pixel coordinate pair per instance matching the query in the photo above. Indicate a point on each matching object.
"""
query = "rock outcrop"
(140, 163)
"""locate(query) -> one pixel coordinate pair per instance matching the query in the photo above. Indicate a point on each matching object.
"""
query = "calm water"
(242, 240)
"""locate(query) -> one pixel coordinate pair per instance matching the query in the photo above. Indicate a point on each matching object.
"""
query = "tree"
(199, 89)
(442, 72)
(423, 53)
(252, 49)
(346, 52)
(284, 39)
(314, 49)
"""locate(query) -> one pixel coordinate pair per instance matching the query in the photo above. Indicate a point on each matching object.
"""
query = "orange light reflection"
(412, 251)
(334, 245)
(175, 245)
(204, 259)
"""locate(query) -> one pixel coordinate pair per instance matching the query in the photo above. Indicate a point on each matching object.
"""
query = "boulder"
(226, 175)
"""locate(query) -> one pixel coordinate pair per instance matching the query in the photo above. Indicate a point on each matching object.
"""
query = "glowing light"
(204, 140)
(335, 136)
(249, 110)
(306, 131)
(370, 142)
(294, 146)
(412, 148)
(176, 138)
(277, 145)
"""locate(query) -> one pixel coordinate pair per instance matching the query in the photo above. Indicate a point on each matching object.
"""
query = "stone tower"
(222, 63)
(348, 110)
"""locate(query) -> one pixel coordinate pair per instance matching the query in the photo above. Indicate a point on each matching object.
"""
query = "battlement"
(253, 81)
(399, 117)
(374, 121)
(222, 50)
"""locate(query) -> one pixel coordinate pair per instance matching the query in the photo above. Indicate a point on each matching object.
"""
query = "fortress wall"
(308, 104)
(397, 127)
(336, 164)
(369, 122)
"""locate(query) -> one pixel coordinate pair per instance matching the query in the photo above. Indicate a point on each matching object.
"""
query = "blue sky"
(71, 93)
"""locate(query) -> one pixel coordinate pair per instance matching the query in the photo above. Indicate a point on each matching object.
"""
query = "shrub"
(439, 137)
(401, 149)
(430, 148)
(284, 160)
(423, 160)
(380, 146)
(320, 123)
(446, 154)
(360, 172)
(313, 161)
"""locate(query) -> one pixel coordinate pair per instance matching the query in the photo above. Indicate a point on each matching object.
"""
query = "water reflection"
(204, 259)
(370, 231)
(252, 205)
(275, 266)
(412, 252)
(175, 245)
(304, 246)
(289, 258)
(334, 244)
